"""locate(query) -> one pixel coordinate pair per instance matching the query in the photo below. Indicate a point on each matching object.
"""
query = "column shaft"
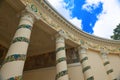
(108, 67)
(88, 74)
(12, 68)
(61, 64)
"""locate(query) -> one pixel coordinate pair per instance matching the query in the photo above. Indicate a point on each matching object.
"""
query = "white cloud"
(108, 19)
(60, 6)
(91, 4)
(76, 22)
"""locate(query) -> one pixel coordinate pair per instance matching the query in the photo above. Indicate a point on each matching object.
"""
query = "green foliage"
(116, 33)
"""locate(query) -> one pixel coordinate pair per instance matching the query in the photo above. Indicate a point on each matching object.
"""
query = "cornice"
(66, 22)
(92, 41)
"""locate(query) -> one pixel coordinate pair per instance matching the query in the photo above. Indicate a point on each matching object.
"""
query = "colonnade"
(12, 67)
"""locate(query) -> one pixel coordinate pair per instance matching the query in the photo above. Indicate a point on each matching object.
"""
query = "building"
(57, 50)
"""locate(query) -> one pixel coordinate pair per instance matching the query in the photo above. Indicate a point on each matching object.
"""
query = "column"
(88, 74)
(61, 63)
(107, 65)
(12, 68)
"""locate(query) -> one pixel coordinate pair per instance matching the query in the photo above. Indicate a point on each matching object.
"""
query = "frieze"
(50, 21)
(49, 60)
(94, 46)
(72, 37)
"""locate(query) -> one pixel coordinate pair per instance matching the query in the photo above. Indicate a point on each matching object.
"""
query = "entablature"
(52, 18)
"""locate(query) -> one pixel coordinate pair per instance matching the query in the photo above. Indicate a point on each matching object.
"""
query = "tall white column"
(106, 63)
(61, 63)
(12, 68)
(88, 74)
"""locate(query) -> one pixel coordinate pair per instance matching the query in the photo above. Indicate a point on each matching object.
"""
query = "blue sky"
(97, 17)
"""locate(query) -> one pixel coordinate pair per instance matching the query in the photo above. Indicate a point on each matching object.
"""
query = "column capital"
(82, 49)
(61, 33)
(104, 52)
(31, 13)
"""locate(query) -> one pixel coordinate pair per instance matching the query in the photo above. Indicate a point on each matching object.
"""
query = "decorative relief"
(55, 26)
(15, 57)
(31, 7)
(16, 78)
(34, 8)
(49, 59)
(84, 59)
(59, 49)
(26, 2)
(50, 21)
(109, 71)
(97, 47)
(86, 68)
(82, 42)
(60, 74)
(72, 37)
(61, 59)
(20, 39)
(90, 78)
(76, 39)
(25, 26)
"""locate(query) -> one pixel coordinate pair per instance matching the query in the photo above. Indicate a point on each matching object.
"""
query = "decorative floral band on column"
(61, 59)
(86, 68)
(90, 78)
(16, 78)
(60, 48)
(109, 71)
(15, 57)
(84, 59)
(20, 39)
(25, 26)
(105, 63)
(62, 73)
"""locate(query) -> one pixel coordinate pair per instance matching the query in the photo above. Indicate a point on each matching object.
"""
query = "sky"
(96, 17)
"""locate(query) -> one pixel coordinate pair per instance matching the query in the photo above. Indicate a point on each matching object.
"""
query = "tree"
(116, 33)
